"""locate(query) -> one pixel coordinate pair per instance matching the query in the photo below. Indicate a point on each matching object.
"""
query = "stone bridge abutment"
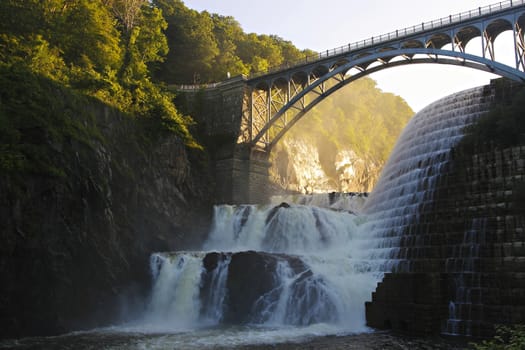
(240, 171)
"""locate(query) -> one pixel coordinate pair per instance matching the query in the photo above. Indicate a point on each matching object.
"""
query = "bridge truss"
(282, 96)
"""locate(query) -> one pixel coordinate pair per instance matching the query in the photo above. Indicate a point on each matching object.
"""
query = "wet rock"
(211, 260)
(246, 211)
(274, 211)
(252, 275)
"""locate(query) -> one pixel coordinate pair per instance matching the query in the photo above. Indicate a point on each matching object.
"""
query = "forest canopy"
(100, 48)
(126, 52)
(208, 47)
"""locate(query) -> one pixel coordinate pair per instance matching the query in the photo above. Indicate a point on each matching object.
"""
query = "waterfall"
(174, 300)
(413, 228)
(463, 266)
(351, 201)
(308, 265)
(407, 184)
(214, 302)
(316, 259)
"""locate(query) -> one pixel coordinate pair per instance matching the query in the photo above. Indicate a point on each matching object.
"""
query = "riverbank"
(112, 340)
(369, 341)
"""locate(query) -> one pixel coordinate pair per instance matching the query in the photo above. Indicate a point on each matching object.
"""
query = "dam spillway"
(456, 244)
(434, 247)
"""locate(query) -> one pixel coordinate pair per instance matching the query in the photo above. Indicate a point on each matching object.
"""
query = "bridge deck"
(394, 36)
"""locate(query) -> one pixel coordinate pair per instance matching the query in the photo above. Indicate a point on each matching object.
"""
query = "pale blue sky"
(322, 25)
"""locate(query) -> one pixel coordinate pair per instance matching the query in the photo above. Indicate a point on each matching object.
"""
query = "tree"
(145, 45)
(21, 18)
(102, 48)
(206, 48)
(128, 12)
(289, 51)
(260, 52)
(227, 33)
(192, 44)
(85, 32)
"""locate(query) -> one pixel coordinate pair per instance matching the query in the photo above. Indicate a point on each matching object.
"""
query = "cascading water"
(407, 183)
(308, 265)
(214, 302)
(401, 209)
(316, 260)
(462, 265)
(351, 201)
(283, 272)
(174, 298)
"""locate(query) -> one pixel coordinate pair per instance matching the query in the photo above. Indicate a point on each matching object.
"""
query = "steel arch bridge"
(281, 97)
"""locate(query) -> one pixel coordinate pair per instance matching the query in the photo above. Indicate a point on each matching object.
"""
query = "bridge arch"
(305, 85)
(319, 93)
(249, 115)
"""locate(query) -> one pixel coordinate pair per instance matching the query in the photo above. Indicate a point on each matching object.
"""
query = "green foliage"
(506, 338)
(157, 106)
(35, 53)
(205, 48)
(193, 47)
(228, 33)
(151, 42)
(360, 117)
(19, 18)
(82, 31)
(37, 116)
(101, 48)
(85, 32)
(260, 52)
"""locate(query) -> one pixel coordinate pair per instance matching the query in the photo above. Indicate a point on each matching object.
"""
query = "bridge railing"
(193, 87)
(400, 33)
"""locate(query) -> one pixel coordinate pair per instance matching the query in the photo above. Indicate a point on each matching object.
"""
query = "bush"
(506, 338)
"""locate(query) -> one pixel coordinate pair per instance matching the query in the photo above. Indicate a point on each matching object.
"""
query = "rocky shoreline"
(375, 340)
(369, 341)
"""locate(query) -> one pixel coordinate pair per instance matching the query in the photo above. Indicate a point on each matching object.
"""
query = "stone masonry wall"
(465, 256)
(221, 113)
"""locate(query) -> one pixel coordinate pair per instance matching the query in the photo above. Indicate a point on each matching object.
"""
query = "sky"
(322, 25)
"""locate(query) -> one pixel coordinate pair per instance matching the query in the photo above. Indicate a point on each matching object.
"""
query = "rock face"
(301, 166)
(263, 287)
(251, 276)
(76, 246)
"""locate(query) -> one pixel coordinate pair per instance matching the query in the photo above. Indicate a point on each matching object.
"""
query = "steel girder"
(281, 98)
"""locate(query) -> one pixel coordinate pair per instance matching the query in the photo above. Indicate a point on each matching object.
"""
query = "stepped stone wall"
(464, 258)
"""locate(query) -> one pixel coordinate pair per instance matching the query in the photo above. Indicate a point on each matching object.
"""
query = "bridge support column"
(223, 113)
(243, 178)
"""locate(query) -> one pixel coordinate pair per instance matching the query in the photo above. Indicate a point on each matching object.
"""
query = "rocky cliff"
(343, 143)
(299, 165)
(85, 197)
